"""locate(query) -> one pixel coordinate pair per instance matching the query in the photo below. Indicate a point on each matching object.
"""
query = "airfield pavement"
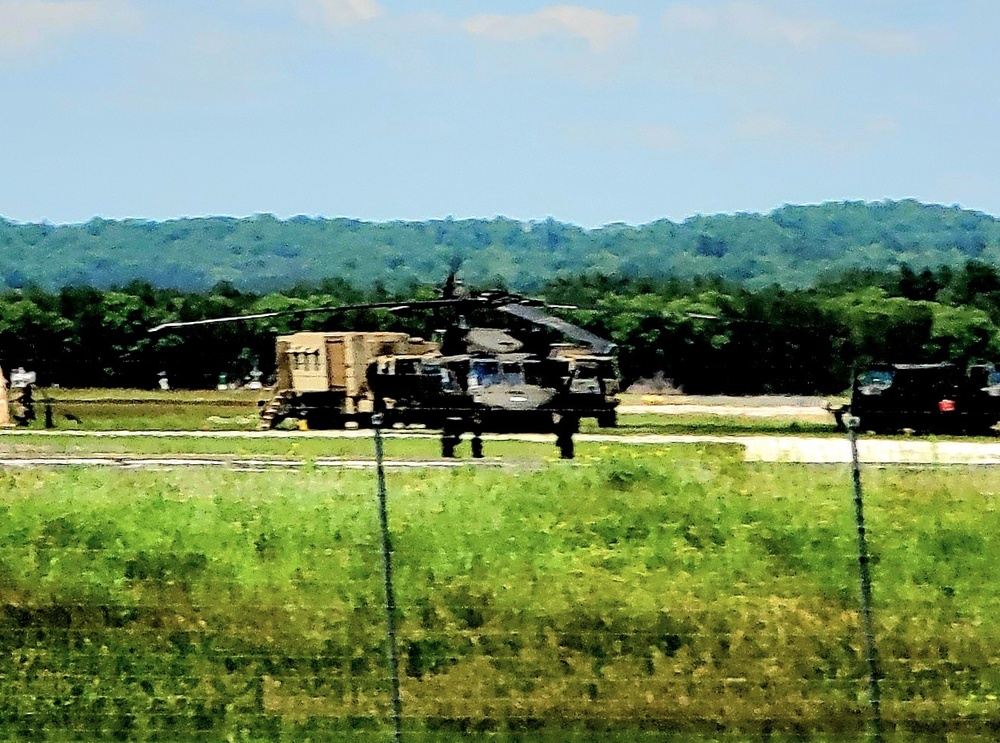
(764, 448)
(756, 448)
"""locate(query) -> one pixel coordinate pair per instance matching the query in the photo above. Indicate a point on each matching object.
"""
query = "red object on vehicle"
(946, 406)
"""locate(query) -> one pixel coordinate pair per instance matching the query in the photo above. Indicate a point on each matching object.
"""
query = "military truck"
(925, 398)
(323, 380)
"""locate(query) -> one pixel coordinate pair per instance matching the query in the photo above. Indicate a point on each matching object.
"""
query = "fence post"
(864, 568)
(390, 598)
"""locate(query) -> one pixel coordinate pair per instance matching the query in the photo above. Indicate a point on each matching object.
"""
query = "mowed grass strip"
(648, 593)
(237, 410)
(274, 445)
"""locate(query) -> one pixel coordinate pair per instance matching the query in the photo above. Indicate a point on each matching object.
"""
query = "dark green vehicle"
(925, 398)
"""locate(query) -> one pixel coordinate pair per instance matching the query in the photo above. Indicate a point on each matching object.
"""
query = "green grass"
(660, 594)
(274, 445)
(230, 397)
(191, 410)
(721, 425)
(123, 412)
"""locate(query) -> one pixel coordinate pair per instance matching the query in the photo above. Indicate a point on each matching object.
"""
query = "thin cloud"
(599, 29)
(849, 139)
(28, 25)
(887, 42)
(616, 136)
(882, 125)
(341, 13)
(762, 127)
(763, 25)
(659, 137)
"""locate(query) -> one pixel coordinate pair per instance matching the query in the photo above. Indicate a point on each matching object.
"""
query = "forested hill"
(791, 246)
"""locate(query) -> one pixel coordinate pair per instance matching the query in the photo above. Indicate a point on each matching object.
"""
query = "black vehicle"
(925, 398)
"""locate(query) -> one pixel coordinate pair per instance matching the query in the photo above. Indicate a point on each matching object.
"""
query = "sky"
(593, 113)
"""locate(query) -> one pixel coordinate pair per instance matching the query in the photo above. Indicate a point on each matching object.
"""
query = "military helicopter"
(474, 379)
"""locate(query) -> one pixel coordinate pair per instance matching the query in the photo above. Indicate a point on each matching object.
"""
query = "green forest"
(788, 302)
(793, 246)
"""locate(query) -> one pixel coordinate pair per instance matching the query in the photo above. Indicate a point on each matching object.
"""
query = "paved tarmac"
(764, 448)
(249, 465)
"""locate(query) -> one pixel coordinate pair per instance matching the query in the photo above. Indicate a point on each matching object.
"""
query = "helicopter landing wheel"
(448, 444)
(607, 419)
(564, 440)
(566, 426)
(451, 435)
(477, 438)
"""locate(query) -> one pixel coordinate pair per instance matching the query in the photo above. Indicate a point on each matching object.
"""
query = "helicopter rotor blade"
(537, 316)
(214, 320)
(389, 306)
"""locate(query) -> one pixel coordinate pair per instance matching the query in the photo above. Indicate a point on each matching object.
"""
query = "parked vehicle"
(925, 398)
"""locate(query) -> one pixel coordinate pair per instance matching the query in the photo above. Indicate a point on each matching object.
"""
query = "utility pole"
(390, 598)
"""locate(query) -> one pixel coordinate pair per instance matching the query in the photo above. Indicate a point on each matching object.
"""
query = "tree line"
(706, 335)
(793, 246)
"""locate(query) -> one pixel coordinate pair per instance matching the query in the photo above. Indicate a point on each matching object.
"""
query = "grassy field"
(213, 410)
(656, 594)
(143, 410)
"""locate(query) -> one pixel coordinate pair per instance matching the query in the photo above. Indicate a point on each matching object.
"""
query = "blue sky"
(406, 109)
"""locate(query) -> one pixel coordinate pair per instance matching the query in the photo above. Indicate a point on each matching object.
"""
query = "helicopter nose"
(514, 397)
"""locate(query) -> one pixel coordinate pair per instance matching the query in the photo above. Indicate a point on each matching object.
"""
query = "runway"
(231, 463)
(763, 448)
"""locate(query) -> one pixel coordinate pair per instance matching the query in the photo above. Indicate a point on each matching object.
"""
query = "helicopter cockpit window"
(511, 373)
(533, 373)
(442, 374)
(484, 373)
